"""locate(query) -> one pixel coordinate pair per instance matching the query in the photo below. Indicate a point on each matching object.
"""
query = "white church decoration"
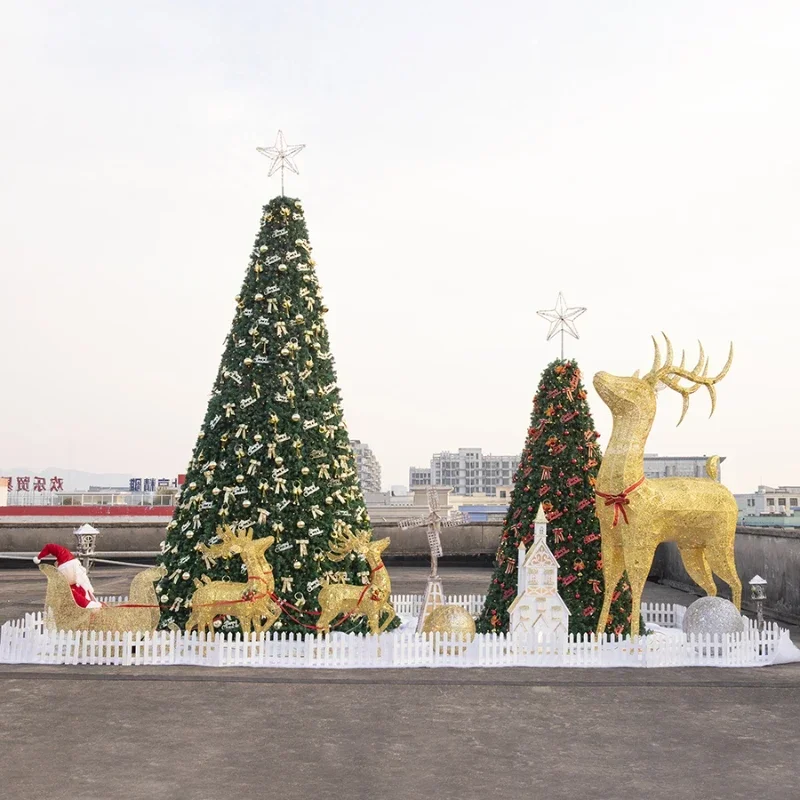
(538, 607)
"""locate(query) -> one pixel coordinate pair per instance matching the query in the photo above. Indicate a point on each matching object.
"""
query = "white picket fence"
(29, 641)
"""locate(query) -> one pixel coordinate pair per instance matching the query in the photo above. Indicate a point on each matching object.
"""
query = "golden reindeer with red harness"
(249, 602)
(370, 600)
(636, 513)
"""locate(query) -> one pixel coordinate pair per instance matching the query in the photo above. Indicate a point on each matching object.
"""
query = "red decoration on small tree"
(561, 465)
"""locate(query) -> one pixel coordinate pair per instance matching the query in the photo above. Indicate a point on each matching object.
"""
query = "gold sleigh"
(140, 612)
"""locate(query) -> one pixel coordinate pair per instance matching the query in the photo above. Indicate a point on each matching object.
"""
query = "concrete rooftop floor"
(183, 733)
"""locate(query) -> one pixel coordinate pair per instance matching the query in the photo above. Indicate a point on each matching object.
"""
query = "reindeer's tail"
(712, 467)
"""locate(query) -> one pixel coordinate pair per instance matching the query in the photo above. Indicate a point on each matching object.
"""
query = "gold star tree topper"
(281, 155)
(562, 318)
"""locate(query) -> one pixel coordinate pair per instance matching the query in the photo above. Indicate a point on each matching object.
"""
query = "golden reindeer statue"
(249, 602)
(636, 513)
(370, 600)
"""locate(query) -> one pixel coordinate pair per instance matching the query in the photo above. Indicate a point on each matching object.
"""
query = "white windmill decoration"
(434, 596)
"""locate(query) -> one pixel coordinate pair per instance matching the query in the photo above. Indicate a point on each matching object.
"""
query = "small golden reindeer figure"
(249, 602)
(370, 600)
(636, 513)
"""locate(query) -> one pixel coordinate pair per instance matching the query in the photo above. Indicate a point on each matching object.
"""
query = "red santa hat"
(61, 554)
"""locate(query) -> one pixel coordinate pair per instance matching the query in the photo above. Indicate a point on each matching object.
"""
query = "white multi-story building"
(367, 466)
(656, 466)
(419, 476)
(770, 500)
(467, 471)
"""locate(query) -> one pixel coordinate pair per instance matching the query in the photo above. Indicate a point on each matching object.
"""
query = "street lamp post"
(758, 594)
(86, 537)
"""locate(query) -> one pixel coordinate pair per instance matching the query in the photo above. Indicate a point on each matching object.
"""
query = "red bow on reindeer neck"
(619, 501)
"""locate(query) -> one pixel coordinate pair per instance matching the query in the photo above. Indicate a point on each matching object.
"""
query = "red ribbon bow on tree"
(619, 501)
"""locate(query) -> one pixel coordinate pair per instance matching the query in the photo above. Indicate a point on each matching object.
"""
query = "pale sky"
(465, 162)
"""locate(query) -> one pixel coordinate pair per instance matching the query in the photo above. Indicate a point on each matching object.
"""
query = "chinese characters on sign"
(148, 484)
(35, 484)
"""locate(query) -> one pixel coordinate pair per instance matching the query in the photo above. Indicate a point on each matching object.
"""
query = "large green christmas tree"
(558, 469)
(273, 452)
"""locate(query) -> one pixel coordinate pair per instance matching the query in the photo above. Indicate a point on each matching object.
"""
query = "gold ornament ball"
(164, 598)
(263, 249)
(278, 624)
(189, 534)
(299, 318)
(450, 619)
(192, 485)
(217, 623)
(284, 351)
(246, 503)
(297, 565)
(201, 435)
(240, 479)
(310, 392)
(295, 417)
(259, 296)
(305, 471)
(185, 576)
(309, 363)
(300, 524)
(282, 267)
(257, 437)
(248, 361)
(279, 460)
(329, 501)
(307, 278)
(216, 490)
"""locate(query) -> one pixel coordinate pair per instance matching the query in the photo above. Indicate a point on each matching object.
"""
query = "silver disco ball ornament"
(710, 615)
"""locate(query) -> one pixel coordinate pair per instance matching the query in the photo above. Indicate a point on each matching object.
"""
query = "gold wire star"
(561, 318)
(281, 155)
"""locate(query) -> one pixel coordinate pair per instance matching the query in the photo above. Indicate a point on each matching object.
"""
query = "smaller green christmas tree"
(558, 470)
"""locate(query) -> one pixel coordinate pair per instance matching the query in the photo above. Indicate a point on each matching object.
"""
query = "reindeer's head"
(235, 542)
(626, 394)
(344, 542)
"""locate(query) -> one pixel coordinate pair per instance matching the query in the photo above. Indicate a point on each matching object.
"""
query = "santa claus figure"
(75, 573)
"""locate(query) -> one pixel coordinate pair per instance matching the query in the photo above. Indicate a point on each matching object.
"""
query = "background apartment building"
(656, 466)
(369, 470)
(467, 471)
(770, 500)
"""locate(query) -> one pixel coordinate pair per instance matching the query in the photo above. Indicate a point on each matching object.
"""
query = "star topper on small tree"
(281, 155)
(562, 318)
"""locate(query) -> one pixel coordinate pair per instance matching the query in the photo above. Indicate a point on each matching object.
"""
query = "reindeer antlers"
(343, 541)
(671, 376)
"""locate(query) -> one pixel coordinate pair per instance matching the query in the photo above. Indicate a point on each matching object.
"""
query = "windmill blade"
(455, 519)
(435, 542)
(412, 522)
(433, 499)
